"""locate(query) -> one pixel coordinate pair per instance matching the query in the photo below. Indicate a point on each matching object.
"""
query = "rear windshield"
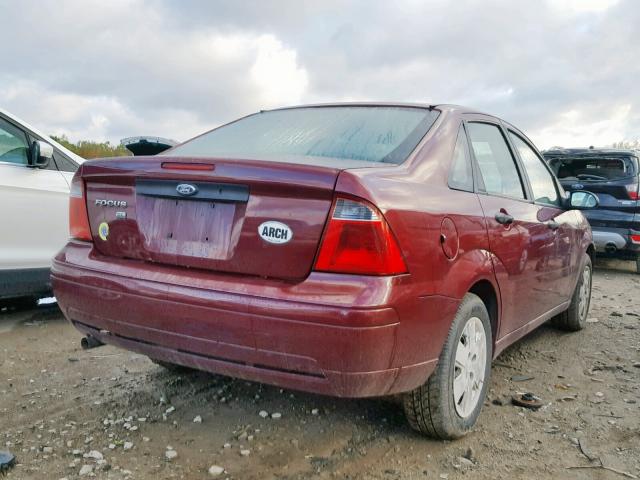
(368, 134)
(593, 168)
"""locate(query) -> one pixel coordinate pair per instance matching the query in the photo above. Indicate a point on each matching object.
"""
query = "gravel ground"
(108, 413)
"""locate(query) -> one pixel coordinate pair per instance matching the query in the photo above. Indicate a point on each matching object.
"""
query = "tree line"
(91, 149)
(629, 145)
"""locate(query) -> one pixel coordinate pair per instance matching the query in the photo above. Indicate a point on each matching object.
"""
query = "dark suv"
(611, 174)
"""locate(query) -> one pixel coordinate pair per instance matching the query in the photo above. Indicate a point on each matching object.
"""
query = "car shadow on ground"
(382, 415)
(190, 391)
(615, 265)
(13, 314)
(247, 399)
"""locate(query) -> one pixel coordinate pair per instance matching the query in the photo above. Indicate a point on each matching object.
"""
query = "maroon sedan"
(352, 250)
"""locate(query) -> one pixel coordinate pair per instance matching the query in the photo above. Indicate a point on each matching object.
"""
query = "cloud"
(570, 129)
(122, 70)
(581, 6)
(276, 73)
(562, 70)
(94, 117)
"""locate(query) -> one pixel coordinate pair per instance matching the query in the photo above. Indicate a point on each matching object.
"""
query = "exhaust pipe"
(90, 342)
(610, 247)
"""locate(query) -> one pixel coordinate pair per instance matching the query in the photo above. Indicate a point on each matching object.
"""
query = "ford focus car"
(351, 250)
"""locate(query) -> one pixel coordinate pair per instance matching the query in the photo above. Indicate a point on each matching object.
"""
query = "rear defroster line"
(202, 355)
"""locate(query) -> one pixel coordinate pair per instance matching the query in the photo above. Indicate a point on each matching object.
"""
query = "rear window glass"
(593, 169)
(369, 134)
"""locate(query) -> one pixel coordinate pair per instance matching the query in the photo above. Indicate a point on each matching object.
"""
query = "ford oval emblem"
(186, 189)
(275, 232)
(577, 186)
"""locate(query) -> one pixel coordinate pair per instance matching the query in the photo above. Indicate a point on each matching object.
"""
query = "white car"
(35, 174)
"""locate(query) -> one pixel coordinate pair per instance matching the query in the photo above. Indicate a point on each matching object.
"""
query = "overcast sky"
(567, 72)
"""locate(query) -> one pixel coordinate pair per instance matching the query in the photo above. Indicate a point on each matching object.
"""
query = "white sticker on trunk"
(275, 232)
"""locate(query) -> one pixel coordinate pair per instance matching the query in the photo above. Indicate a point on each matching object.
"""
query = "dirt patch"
(113, 414)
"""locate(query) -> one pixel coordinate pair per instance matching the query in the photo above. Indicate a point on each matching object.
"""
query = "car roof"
(443, 107)
(572, 152)
(75, 157)
(430, 106)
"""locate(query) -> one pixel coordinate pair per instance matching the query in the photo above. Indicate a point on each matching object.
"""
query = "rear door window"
(541, 180)
(497, 166)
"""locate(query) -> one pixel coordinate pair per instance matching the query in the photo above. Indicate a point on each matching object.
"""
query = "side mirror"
(581, 199)
(40, 155)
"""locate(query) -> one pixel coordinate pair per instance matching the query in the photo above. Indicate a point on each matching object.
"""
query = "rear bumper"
(615, 241)
(613, 228)
(345, 348)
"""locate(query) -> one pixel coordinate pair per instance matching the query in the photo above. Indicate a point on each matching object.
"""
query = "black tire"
(172, 367)
(575, 317)
(431, 408)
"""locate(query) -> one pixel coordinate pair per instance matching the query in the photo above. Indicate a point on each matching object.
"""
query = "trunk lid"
(238, 216)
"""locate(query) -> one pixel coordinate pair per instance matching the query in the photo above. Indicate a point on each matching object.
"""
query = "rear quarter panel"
(415, 199)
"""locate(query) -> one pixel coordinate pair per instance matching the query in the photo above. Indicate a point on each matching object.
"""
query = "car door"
(564, 255)
(33, 204)
(521, 242)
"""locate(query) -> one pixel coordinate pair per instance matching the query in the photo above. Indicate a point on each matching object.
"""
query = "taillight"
(632, 191)
(78, 218)
(635, 238)
(358, 240)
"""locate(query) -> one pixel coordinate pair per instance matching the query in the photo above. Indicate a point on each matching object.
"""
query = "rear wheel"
(575, 317)
(447, 405)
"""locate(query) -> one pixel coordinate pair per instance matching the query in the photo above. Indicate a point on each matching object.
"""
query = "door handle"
(553, 225)
(504, 218)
